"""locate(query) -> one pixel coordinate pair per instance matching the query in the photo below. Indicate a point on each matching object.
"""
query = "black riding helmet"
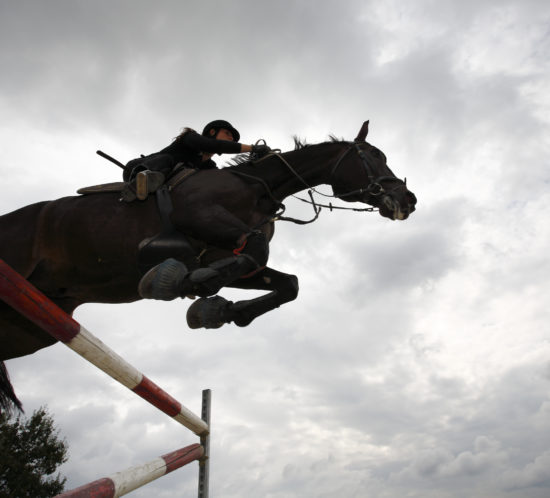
(218, 124)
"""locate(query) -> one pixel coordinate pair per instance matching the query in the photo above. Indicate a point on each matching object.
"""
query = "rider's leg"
(146, 176)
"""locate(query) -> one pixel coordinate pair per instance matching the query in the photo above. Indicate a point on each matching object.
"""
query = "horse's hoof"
(207, 312)
(239, 315)
(204, 282)
(163, 281)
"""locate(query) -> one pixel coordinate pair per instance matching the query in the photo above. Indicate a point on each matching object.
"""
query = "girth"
(169, 242)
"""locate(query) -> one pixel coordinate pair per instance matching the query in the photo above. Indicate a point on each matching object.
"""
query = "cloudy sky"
(416, 360)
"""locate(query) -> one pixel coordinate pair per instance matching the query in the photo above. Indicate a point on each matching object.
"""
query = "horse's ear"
(363, 132)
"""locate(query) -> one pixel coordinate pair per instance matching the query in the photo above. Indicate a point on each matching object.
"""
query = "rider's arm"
(200, 143)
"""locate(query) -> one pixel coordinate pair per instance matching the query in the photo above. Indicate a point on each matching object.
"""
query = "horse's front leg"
(171, 278)
(213, 312)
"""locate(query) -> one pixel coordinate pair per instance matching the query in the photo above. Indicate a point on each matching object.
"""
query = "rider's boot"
(148, 182)
(142, 183)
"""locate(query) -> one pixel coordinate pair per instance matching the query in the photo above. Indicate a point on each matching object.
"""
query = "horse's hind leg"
(19, 336)
(213, 312)
(8, 399)
(18, 231)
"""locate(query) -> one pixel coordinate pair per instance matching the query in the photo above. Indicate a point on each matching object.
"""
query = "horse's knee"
(289, 288)
(256, 247)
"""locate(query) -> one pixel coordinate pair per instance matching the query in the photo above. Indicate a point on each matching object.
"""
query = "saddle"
(169, 242)
(117, 187)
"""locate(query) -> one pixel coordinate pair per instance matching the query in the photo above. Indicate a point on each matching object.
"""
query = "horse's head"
(361, 174)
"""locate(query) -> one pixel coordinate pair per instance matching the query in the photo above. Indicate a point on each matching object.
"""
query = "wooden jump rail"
(123, 482)
(30, 302)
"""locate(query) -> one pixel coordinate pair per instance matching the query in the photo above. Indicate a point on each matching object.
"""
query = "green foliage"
(30, 452)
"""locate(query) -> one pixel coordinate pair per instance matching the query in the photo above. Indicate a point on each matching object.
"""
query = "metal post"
(204, 462)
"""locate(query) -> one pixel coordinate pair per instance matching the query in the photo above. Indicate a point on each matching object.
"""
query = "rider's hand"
(260, 150)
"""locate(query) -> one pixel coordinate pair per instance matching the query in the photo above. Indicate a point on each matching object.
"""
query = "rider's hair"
(183, 132)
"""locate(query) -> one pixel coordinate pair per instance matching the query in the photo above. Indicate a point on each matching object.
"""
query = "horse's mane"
(302, 144)
(299, 144)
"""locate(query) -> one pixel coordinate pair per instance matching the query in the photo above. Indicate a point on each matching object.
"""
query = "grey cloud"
(439, 462)
(534, 474)
(412, 257)
(413, 362)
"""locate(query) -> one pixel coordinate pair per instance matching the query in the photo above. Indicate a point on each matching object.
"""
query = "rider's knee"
(132, 168)
(163, 163)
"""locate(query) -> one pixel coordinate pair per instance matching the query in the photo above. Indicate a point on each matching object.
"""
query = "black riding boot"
(145, 182)
(146, 175)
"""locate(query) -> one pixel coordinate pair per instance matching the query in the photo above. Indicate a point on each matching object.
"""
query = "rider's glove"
(260, 150)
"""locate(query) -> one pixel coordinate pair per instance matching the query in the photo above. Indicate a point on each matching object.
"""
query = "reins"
(373, 188)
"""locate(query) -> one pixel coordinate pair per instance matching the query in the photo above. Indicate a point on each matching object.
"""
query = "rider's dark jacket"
(186, 149)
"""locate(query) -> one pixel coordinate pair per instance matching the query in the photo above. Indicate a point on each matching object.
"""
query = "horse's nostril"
(388, 202)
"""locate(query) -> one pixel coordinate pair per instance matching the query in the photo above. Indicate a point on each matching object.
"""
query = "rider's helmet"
(218, 124)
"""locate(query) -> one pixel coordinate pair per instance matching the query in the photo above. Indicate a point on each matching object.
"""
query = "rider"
(188, 149)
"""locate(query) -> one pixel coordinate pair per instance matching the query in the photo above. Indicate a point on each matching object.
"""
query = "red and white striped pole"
(123, 482)
(30, 302)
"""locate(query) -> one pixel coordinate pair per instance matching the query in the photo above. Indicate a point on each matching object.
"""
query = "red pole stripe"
(152, 393)
(134, 477)
(179, 458)
(22, 296)
(30, 302)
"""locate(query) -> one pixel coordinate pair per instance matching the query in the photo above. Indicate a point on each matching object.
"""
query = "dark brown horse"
(94, 248)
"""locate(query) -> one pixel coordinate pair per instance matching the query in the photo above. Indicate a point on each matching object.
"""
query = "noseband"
(374, 187)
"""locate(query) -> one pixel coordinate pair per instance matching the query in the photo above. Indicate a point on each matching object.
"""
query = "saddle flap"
(103, 188)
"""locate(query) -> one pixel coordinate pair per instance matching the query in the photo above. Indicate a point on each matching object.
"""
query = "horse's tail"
(8, 399)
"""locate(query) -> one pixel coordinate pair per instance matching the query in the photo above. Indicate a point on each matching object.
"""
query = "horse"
(94, 248)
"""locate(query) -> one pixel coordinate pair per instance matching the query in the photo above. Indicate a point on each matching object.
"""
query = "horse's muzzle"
(397, 209)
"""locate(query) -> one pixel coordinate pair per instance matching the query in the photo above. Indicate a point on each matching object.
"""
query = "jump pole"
(22, 296)
(130, 479)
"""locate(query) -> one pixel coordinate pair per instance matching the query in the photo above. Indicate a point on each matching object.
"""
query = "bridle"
(374, 187)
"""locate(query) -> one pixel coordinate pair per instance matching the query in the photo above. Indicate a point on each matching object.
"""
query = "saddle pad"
(172, 182)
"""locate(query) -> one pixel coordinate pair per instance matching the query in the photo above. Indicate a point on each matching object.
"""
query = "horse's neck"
(303, 168)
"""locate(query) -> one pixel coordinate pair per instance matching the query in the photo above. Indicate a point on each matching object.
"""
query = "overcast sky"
(416, 360)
